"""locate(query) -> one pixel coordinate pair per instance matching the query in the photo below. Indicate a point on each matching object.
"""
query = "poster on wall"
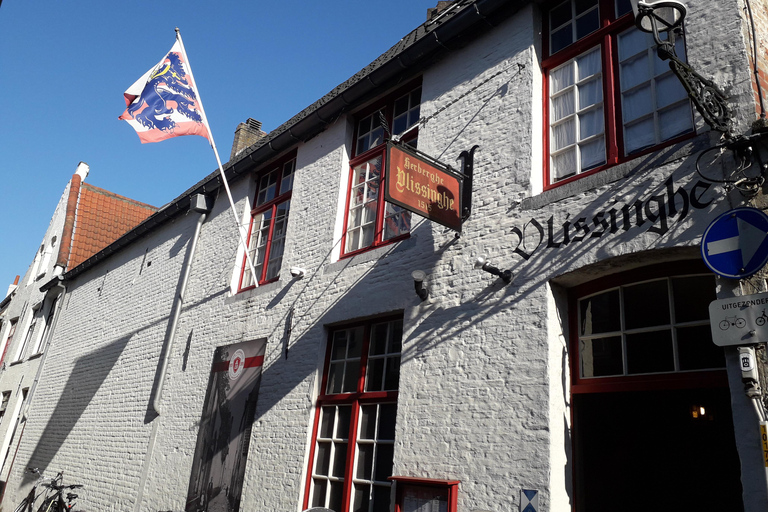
(423, 186)
(218, 470)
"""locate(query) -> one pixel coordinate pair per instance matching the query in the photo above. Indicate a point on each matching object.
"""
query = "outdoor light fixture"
(483, 264)
(297, 273)
(418, 283)
(664, 16)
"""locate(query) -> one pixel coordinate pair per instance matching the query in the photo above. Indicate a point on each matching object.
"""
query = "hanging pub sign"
(423, 186)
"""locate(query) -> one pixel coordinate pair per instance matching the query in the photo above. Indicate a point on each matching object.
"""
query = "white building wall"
(483, 394)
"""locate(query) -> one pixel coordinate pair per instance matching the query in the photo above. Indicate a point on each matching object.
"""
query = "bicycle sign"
(739, 320)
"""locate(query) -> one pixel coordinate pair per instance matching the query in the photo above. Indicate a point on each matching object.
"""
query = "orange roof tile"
(102, 218)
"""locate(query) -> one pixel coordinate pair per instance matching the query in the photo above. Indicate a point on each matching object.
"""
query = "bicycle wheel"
(50, 504)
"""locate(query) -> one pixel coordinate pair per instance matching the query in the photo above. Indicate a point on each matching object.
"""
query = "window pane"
(587, 23)
(600, 313)
(351, 377)
(592, 154)
(326, 422)
(384, 459)
(601, 357)
(342, 422)
(375, 374)
(635, 72)
(361, 498)
(379, 339)
(584, 5)
(392, 373)
(387, 416)
(339, 348)
(650, 352)
(368, 422)
(696, 350)
(381, 496)
(632, 42)
(318, 492)
(561, 78)
(675, 121)
(669, 90)
(339, 460)
(623, 7)
(589, 64)
(286, 182)
(691, 297)
(364, 461)
(396, 337)
(563, 105)
(590, 124)
(560, 14)
(336, 495)
(397, 221)
(323, 458)
(590, 93)
(563, 135)
(639, 135)
(561, 38)
(564, 164)
(355, 342)
(335, 378)
(637, 103)
(267, 188)
(646, 304)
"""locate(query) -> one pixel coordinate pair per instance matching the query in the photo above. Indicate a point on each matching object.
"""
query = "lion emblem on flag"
(167, 92)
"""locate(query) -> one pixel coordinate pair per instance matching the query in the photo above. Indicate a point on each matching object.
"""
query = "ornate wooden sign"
(423, 186)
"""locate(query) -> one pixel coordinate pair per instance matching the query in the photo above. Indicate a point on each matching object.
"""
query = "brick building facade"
(178, 380)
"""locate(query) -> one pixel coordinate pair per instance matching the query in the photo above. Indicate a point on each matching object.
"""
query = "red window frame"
(606, 37)
(270, 206)
(356, 400)
(388, 106)
(448, 488)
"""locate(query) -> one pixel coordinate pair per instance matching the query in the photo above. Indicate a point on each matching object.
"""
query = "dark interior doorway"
(655, 450)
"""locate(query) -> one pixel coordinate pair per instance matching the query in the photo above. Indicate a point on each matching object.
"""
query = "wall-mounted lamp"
(418, 283)
(297, 273)
(485, 265)
(664, 16)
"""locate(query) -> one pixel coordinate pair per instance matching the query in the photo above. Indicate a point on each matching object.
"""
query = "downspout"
(198, 203)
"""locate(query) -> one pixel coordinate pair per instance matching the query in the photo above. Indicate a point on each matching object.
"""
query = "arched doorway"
(652, 423)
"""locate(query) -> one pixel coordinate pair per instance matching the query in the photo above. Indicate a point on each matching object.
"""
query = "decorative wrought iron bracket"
(467, 170)
(708, 99)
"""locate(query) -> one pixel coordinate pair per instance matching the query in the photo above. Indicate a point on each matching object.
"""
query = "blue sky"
(65, 65)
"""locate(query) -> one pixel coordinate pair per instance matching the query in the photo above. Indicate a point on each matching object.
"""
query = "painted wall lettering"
(656, 213)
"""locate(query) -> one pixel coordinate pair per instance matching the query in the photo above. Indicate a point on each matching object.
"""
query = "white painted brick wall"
(481, 395)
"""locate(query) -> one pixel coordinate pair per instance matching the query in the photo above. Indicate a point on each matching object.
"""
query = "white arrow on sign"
(748, 241)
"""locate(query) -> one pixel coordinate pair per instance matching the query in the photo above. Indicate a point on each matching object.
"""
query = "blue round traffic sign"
(736, 243)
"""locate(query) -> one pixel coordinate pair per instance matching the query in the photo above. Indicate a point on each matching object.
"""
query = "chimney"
(82, 170)
(246, 135)
(440, 7)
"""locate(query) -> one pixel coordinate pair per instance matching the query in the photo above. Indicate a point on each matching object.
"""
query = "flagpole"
(240, 227)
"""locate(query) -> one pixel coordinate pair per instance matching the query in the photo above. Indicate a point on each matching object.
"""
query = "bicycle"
(29, 500)
(56, 501)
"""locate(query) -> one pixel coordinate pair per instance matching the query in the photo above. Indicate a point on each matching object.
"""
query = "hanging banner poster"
(218, 468)
(423, 186)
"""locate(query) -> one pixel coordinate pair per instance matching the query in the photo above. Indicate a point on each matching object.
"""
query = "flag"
(164, 103)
